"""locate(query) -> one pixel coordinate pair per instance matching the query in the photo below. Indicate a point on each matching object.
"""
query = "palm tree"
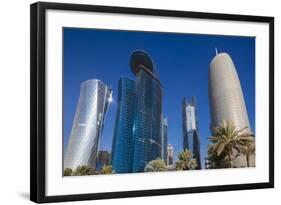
(249, 151)
(157, 165)
(226, 139)
(67, 172)
(186, 161)
(82, 170)
(106, 169)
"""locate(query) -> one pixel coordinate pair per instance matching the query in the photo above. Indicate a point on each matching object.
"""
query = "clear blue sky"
(182, 62)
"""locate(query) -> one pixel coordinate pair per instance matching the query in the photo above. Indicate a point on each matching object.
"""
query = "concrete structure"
(170, 154)
(226, 97)
(164, 138)
(82, 147)
(191, 140)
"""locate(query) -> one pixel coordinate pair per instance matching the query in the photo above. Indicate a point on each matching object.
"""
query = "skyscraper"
(226, 98)
(164, 138)
(122, 146)
(170, 155)
(147, 126)
(82, 147)
(191, 139)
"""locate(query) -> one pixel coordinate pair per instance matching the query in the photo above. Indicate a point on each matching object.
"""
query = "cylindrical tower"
(82, 147)
(226, 96)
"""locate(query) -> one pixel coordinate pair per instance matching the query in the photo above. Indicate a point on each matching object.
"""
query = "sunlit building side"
(82, 147)
(226, 98)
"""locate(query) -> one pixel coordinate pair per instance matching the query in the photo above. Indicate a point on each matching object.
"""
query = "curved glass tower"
(226, 97)
(122, 145)
(148, 115)
(82, 146)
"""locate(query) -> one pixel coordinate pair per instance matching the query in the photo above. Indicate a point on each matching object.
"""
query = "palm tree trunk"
(230, 159)
(248, 160)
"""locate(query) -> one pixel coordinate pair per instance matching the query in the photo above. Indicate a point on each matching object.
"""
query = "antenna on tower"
(216, 51)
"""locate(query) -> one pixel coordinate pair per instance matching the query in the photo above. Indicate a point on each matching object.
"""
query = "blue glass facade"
(138, 137)
(122, 146)
(147, 132)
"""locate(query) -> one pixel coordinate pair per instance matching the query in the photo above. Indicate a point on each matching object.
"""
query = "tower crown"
(141, 58)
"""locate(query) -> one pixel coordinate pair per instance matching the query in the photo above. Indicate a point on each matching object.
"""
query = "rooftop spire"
(216, 51)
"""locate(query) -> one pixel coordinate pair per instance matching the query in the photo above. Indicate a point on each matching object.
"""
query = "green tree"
(226, 139)
(67, 172)
(106, 169)
(186, 161)
(156, 165)
(82, 170)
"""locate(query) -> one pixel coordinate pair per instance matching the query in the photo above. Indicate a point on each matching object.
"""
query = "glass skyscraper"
(148, 115)
(191, 140)
(122, 145)
(138, 129)
(82, 147)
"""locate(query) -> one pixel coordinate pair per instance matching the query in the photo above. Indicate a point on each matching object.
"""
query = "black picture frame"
(38, 100)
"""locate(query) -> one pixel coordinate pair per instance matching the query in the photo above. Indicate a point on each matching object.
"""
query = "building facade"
(164, 138)
(226, 98)
(191, 140)
(170, 154)
(139, 130)
(147, 126)
(122, 146)
(82, 147)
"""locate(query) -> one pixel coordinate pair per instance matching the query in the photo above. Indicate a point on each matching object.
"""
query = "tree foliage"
(67, 172)
(106, 169)
(157, 165)
(227, 143)
(82, 170)
(186, 161)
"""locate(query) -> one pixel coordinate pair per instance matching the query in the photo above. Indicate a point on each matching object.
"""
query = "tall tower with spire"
(226, 98)
(191, 140)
